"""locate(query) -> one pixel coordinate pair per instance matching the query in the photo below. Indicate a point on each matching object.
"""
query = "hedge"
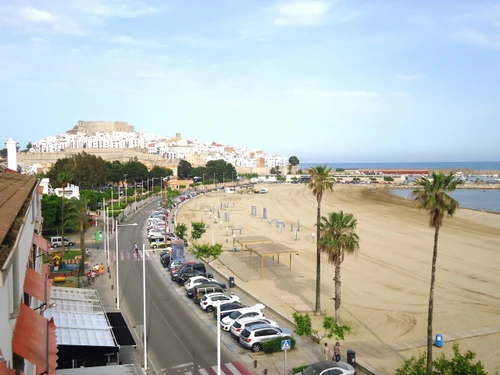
(299, 369)
(274, 345)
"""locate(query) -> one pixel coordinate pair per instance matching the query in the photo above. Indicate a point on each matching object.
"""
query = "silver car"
(252, 337)
(328, 368)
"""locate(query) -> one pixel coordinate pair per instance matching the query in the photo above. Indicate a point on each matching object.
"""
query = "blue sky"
(350, 81)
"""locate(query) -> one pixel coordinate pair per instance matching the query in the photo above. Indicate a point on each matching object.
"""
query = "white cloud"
(336, 94)
(37, 15)
(151, 75)
(130, 42)
(301, 13)
(408, 77)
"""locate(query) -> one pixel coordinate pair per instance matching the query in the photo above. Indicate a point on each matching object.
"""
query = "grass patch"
(71, 254)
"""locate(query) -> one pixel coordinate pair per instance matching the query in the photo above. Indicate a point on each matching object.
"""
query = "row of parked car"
(248, 324)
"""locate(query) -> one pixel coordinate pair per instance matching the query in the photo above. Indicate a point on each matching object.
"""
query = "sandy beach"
(385, 288)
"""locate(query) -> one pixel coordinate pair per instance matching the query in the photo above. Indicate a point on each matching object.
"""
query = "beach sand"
(385, 288)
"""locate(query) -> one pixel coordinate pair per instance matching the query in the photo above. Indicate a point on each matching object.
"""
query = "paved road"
(179, 341)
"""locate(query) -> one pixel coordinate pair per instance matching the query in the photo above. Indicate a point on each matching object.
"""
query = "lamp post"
(144, 302)
(117, 264)
(218, 337)
(214, 180)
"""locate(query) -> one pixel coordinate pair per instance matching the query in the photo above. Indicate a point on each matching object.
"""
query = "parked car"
(252, 311)
(176, 263)
(57, 242)
(252, 337)
(230, 307)
(241, 323)
(209, 301)
(225, 311)
(193, 266)
(165, 259)
(175, 269)
(200, 290)
(194, 281)
(186, 275)
(328, 368)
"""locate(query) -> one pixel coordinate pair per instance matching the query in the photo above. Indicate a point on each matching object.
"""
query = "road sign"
(285, 344)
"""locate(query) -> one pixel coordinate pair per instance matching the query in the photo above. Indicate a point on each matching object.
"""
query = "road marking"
(183, 365)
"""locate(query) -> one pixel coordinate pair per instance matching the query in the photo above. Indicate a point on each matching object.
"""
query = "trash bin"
(439, 340)
(98, 236)
(231, 282)
(351, 358)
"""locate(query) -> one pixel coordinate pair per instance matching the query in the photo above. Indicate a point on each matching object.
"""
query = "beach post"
(291, 227)
(313, 237)
(264, 213)
(298, 226)
(296, 235)
(227, 230)
(221, 224)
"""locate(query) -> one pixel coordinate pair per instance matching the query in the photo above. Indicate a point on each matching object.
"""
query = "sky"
(323, 80)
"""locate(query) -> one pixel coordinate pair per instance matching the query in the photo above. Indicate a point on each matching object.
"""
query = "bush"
(274, 345)
(299, 369)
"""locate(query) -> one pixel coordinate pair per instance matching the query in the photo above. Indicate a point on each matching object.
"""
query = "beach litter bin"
(231, 282)
(98, 236)
(439, 340)
(351, 358)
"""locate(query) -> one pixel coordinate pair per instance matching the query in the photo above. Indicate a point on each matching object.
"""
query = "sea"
(475, 199)
(477, 165)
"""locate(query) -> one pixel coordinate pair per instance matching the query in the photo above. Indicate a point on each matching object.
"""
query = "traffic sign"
(285, 344)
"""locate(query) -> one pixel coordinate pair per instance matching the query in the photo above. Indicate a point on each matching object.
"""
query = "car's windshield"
(235, 315)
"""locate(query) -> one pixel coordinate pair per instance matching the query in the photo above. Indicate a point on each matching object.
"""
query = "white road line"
(233, 369)
(183, 365)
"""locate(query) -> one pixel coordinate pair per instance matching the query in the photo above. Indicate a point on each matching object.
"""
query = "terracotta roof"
(15, 190)
(35, 340)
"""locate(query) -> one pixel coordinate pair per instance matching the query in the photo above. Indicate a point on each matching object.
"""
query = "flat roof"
(245, 240)
(270, 249)
(80, 318)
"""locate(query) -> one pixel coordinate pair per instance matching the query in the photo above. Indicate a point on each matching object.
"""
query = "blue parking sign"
(285, 344)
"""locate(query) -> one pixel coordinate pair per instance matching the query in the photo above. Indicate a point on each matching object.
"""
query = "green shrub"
(274, 345)
(299, 369)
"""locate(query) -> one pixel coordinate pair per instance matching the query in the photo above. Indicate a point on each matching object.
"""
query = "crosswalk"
(129, 255)
(231, 368)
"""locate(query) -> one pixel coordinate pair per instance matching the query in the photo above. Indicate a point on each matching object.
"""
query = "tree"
(292, 162)
(431, 196)
(63, 179)
(181, 231)
(51, 208)
(28, 147)
(319, 183)
(78, 217)
(303, 324)
(198, 229)
(207, 252)
(338, 239)
(460, 364)
(184, 169)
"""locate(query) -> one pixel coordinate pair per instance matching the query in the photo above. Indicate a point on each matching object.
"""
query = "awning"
(33, 333)
(120, 329)
(37, 285)
(41, 242)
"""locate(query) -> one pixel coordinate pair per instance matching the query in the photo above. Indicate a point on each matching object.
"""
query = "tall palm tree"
(63, 179)
(78, 217)
(319, 183)
(338, 239)
(431, 195)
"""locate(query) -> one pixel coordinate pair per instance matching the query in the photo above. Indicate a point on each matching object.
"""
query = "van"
(200, 290)
(57, 242)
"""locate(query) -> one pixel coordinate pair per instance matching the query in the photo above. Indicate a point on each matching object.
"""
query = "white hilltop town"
(117, 140)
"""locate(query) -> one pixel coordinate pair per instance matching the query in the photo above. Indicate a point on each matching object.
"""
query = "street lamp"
(144, 302)
(214, 180)
(117, 263)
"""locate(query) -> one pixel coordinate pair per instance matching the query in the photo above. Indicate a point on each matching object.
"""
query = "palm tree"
(431, 195)
(319, 183)
(338, 239)
(63, 179)
(78, 216)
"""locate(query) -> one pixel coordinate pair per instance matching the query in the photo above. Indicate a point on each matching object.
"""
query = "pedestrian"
(92, 275)
(326, 352)
(89, 278)
(101, 269)
(336, 352)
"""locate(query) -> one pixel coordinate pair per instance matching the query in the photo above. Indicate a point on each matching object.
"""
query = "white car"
(209, 301)
(154, 233)
(240, 324)
(248, 312)
(195, 280)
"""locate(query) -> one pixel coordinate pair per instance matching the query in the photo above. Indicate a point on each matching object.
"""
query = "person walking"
(326, 352)
(336, 352)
